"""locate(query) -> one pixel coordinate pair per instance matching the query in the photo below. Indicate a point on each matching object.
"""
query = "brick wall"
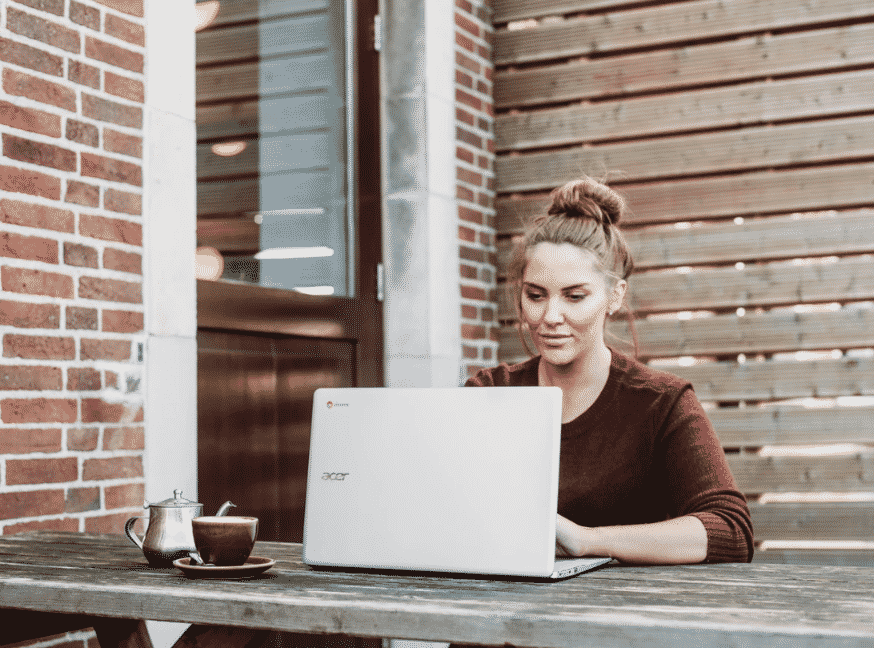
(474, 119)
(71, 307)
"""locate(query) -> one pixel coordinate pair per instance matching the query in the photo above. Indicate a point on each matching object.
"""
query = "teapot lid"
(176, 501)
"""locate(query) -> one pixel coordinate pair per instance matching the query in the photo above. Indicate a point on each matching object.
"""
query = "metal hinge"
(377, 33)
(380, 282)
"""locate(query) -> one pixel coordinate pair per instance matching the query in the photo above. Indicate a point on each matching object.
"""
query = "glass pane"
(273, 163)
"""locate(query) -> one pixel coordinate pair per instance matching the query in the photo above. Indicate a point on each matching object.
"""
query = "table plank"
(618, 605)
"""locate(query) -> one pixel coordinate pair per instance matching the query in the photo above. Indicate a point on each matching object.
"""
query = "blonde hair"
(584, 213)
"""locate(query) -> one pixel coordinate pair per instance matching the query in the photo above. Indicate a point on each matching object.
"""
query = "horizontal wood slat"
(744, 105)
(689, 155)
(227, 197)
(275, 115)
(665, 25)
(229, 234)
(227, 120)
(226, 84)
(729, 381)
(234, 11)
(273, 76)
(843, 557)
(756, 475)
(211, 165)
(728, 334)
(291, 152)
(509, 10)
(293, 35)
(844, 521)
(746, 58)
(830, 187)
(755, 426)
(756, 285)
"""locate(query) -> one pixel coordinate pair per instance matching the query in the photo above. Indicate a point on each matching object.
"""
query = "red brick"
(16, 212)
(47, 92)
(81, 256)
(41, 471)
(31, 503)
(82, 439)
(465, 5)
(122, 321)
(468, 176)
(83, 132)
(83, 379)
(82, 193)
(463, 116)
(124, 496)
(111, 111)
(468, 311)
(82, 319)
(37, 282)
(80, 500)
(466, 62)
(113, 54)
(467, 25)
(466, 136)
(462, 78)
(484, 52)
(31, 378)
(30, 119)
(98, 166)
(130, 7)
(465, 42)
(130, 437)
(470, 215)
(27, 315)
(43, 30)
(125, 30)
(120, 86)
(30, 182)
(116, 142)
(112, 468)
(466, 234)
(485, 200)
(85, 15)
(487, 314)
(60, 524)
(122, 261)
(470, 352)
(467, 272)
(110, 290)
(95, 410)
(84, 74)
(38, 410)
(112, 523)
(484, 163)
(471, 254)
(31, 57)
(117, 350)
(38, 347)
(473, 292)
(110, 229)
(484, 88)
(110, 379)
(472, 332)
(51, 6)
(25, 150)
(123, 202)
(464, 155)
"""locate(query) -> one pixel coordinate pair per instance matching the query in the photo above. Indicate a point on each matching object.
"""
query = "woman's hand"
(672, 542)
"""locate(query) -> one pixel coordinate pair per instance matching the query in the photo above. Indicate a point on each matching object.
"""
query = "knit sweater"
(643, 452)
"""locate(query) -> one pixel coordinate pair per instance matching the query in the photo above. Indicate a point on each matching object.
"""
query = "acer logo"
(333, 404)
(334, 476)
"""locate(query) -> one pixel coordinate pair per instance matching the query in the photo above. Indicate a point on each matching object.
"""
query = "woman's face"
(565, 299)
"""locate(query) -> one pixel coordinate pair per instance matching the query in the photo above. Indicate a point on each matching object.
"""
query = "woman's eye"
(533, 296)
(576, 297)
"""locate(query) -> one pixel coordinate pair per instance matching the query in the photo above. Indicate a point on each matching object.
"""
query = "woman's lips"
(554, 339)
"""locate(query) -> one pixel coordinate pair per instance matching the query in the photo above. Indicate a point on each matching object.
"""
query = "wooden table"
(71, 580)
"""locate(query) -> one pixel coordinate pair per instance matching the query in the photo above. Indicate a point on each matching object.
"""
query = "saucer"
(253, 566)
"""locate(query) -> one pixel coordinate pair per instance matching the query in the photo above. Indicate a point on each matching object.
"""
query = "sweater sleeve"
(701, 483)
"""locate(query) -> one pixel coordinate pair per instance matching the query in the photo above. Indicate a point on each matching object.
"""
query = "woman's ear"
(617, 296)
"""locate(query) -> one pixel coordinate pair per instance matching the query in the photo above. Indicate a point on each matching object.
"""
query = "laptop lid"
(436, 479)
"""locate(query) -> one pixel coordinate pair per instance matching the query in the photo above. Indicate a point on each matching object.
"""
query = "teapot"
(169, 535)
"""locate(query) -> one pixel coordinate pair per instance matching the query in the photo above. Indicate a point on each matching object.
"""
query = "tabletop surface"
(107, 576)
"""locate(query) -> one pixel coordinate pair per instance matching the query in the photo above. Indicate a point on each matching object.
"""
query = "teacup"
(224, 540)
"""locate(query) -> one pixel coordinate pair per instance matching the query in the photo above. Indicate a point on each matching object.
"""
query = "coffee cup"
(224, 540)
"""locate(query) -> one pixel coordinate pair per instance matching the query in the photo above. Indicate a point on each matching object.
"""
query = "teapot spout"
(224, 508)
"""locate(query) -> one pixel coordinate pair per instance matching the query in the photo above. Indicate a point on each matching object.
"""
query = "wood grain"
(241, 234)
(235, 11)
(615, 606)
(690, 155)
(227, 196)
(253, 40)
(660, 70)
(665, 25)
(741, 105)
(509, 10)
(813, 521)
(755, 427)
(756, 475)
(746, 194)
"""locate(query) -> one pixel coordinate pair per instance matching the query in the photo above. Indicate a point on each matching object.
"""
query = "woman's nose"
(554, 312)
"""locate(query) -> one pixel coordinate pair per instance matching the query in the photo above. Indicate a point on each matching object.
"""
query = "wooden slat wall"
(742, 135)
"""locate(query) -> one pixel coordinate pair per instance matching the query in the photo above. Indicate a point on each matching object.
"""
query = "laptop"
(444, 480)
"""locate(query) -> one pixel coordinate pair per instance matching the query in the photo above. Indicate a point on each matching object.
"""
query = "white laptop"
(459, 480)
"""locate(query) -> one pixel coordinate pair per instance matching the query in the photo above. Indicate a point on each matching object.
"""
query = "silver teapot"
(169, 535)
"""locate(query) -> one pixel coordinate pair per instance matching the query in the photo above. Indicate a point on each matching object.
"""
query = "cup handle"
(129, 530)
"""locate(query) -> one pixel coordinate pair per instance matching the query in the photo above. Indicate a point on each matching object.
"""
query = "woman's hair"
(584, 213)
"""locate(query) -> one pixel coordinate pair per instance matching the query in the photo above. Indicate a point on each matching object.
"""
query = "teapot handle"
(129, 530)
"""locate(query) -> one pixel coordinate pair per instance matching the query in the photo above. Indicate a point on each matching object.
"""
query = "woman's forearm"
(679, 541)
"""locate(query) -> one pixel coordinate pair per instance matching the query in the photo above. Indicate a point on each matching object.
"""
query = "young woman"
(642, 475)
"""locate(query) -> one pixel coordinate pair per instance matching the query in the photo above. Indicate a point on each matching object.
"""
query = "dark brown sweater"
(643, 452)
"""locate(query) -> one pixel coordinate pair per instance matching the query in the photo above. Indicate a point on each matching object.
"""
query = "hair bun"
(587, 198)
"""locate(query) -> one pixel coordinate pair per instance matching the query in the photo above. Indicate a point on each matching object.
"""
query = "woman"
(642, 476)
